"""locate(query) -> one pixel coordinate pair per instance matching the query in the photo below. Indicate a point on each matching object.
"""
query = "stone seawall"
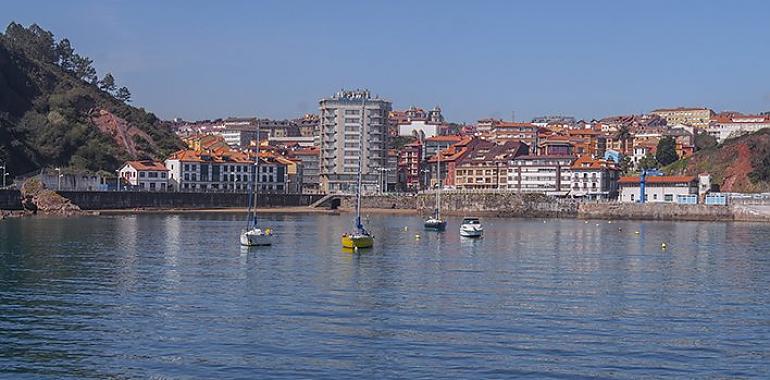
(655, 211)
(107, 200)
(505, 204)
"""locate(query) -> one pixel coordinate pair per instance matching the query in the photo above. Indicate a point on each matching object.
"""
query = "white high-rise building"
(344, 117)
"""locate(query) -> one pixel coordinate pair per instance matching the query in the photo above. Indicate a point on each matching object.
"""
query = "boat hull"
(357, 241)
(435, 225)
(471, 232)
(256, 237)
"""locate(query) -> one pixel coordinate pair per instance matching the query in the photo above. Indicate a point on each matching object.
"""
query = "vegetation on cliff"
(55, 111)
(741, 164)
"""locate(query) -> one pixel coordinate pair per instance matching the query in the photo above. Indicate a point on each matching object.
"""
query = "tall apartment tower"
(344, 117)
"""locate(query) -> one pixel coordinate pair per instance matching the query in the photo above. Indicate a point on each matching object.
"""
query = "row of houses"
(218, 169)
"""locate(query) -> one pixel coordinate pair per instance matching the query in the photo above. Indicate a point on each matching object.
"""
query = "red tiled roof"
(588, 163)
(658, 179)
(147, 165)
(306, 152)
(447, 138)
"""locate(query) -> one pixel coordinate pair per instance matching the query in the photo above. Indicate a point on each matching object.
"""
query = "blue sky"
(207, 59)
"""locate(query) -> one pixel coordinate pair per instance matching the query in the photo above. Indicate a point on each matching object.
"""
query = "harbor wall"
(113, 200)
(508, 204)
(655, 211)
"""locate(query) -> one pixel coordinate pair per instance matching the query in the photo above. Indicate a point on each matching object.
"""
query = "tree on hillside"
(66, 55)
(666, 152)
(648, 162)
(623, 135)
(626, 165)
(83, 69)
(35, 42)
(107, 83)
(123, 95)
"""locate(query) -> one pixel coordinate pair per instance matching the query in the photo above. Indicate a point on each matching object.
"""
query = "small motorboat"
(256, 236)
(471, 228)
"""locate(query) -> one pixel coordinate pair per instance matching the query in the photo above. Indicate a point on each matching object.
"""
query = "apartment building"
(724, 126)
(697, 117)
(486, 165)
(410, 175)
(353, 124)
(550, 175)
(225, 170)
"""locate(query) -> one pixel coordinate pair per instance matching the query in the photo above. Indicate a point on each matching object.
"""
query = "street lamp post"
(4, 174)
(117, 180)
(59, 175)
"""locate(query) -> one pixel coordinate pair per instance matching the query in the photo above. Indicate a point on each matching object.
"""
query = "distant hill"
(741, 164)
(55, 111)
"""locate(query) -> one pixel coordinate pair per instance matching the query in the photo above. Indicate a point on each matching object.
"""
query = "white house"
(145, 175)
(594, 178)
(660, 189)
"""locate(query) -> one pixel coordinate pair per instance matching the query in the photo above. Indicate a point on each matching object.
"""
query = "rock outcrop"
(36, 198)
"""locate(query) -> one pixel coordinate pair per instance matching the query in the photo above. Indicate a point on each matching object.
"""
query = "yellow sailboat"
(360, 237)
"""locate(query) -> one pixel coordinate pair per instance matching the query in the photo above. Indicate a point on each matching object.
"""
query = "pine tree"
(107, 83)
(123, 95)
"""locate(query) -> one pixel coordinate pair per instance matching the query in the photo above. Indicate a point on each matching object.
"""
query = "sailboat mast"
(256, 180)
(359, 226)
(439, 187)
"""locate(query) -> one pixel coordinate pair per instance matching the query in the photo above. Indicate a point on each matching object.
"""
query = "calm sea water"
(175, 296)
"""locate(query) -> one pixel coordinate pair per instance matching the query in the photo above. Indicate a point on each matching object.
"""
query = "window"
(668, 197)
(186, 167)
(163, 175)
(152, 185)
(141, 174)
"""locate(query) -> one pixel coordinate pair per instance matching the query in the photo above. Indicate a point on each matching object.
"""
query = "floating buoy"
(597, 224)
(544, 222)
(609, 222)
(620, 229)
(636, 232)
(406, 228)
(663, 246)
(586, 222)
(417, 236)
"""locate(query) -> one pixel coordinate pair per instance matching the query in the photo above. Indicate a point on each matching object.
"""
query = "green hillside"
(741, 164)
(55, 111)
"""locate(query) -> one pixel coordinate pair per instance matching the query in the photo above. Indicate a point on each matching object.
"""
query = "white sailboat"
(435, 222)
(253, 235)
